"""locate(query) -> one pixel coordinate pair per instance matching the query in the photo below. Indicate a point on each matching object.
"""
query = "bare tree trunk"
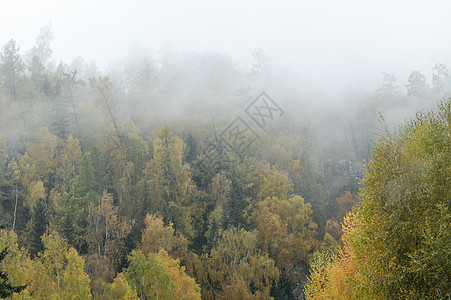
(74, 83)
(104, 92)
(106, 235)
(97, 228)
(15, 206)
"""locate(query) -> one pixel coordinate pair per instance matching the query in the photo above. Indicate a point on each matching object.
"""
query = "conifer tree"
(39, 225)
(11, 68)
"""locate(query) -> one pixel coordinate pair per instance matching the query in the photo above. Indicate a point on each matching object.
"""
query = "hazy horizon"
(346, 44)
(225, 150)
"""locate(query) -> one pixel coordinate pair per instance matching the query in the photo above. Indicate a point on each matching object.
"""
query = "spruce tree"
(60, 118)
(11, 68)
(234, 209)
(191, 149)
(38, 227)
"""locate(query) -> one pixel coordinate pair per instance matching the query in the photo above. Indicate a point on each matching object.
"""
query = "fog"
(218, 150)
(338, 44)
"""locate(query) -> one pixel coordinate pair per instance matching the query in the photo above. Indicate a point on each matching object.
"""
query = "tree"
(37, 70)
(105, 88)
(333, 229)
(101, 271)
(42, 50)
(191, 149)
(234, 209)
(121, 290)
(107, 231)
(11, 68)
(236, 269)
(69, 217)
(88, 179)
(274, 184)
(129, 178)
(333, 272)
(285, 230)
(416, 85)
(39, 225)
(215, 225)
(57, 272)
(39, 163)
(75, 282)
(262, 64)
(170, 182)
(396, 245)
(156, 276)
(440, 80)
(60, 117)
(63, 85)
(53, 257)
(36, 192)
(405, 209)
(320, 268)
(220, 189)
(346, 203)
(156, 236)
(14, 170)
(388, 88)
(145, 77)
(14, 264)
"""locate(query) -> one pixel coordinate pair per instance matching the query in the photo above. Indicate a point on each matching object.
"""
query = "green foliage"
(121, 290)
(156, 236)
(285, 231)
(234, 210)
(88, 180)
(11, 68)
(397, 246)
(406, 198)
(236, 268)
(156, 276)
(191, 149)
(39, 225)
(75, 282)
(41, 50)
(7, 289)
(215, 224)
(94, 171)
(170, 182)
(57, 272)
(60, 118)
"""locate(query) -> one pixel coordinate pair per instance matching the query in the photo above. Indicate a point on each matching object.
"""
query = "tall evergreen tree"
(191, 149)
(42, 50)
(234, 208)
(39, 225)
(60, 118)
(11, 68)
(171, 182)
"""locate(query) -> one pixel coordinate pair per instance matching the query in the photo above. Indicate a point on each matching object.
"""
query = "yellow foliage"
(36, 192)
(58, 272)
(156, 236)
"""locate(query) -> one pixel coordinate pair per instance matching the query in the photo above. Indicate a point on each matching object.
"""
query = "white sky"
(349, 41)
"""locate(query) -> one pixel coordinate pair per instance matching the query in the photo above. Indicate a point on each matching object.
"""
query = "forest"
(188, 176)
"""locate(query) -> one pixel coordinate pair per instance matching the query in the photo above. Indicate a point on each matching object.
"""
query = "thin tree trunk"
(15, 207)
(105, 98)
(97, 228)
(106, 235)
(113, 120)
